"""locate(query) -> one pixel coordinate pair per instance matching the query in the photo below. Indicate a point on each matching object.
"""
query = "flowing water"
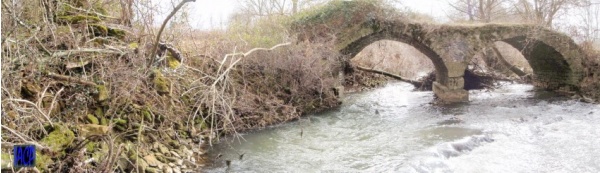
(392, 129)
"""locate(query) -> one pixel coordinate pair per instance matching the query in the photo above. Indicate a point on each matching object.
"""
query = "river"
(393, 129)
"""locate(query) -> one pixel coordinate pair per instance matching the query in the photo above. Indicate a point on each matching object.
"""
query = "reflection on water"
(392, 129)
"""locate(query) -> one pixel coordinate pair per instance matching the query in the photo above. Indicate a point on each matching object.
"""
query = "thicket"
(82, 85)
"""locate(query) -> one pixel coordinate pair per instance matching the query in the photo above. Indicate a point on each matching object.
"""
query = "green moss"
(42, 161)
(147, 115)
(102, 93)
(120, 121)
(160, 83)
(79, 18)
(102, 151)
(118, 33)
(98, 29)
(91, 146)
(99, 112)
(172, 62)
(92, 119)
(103, 121)
(133, 45)
(59, 138)
(103, 30)
(6, 161)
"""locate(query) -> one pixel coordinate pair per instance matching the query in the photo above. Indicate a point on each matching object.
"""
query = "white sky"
(211, 13)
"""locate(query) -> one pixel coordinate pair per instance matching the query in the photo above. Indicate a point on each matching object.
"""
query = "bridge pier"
(452, 93)
(450, 88)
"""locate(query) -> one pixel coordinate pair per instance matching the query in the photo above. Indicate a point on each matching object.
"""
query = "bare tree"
(589, 30)
(543, 12)
(480, 10)
(274, 7)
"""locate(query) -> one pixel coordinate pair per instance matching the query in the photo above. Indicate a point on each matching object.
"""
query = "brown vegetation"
(87, 90)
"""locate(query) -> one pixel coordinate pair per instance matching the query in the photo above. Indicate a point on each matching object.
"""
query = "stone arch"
(555, 58)
(356, 46)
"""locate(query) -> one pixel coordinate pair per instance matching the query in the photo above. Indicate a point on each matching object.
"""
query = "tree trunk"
(294, 6)
(512, 68)
(400, 78)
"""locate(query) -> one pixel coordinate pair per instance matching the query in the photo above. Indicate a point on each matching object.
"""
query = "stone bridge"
(555, 58)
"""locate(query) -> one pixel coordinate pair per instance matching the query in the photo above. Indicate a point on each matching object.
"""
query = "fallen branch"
(504, 62)
(80, 51)
(243, 55)
(162, 27)
(89, 12)
(70, 79)
(400, 78)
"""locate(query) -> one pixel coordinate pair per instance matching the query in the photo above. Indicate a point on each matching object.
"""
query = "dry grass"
(215, 91)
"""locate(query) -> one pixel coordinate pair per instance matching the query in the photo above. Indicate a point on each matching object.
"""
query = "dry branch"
(86, 50)
(243, 55)
(70, 79)
(400, 78)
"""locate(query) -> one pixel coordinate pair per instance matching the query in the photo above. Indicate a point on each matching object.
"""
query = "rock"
(179, 162)
(175, 154)
(88, 130)
(103, 121)
(30, 90)
(102, 93)
(122, 163)
(142, 165)
(76, 19)
(161, 84)
(6, 161)
(59, 138)
(92, 119)
(167, 169)
(151, 170)
(163, 149)
(152, 161)
(161, 157)
(176, 170)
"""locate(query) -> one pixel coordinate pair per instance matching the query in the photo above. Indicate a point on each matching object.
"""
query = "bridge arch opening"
(394, 57)
(503, 59)
(353, 49)
(550, 68)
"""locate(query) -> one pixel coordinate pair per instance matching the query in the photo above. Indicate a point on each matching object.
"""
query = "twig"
(243, 55)
(85, 50)
(162, 27)
(37, 107)
(70, 79)
(40, 146)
